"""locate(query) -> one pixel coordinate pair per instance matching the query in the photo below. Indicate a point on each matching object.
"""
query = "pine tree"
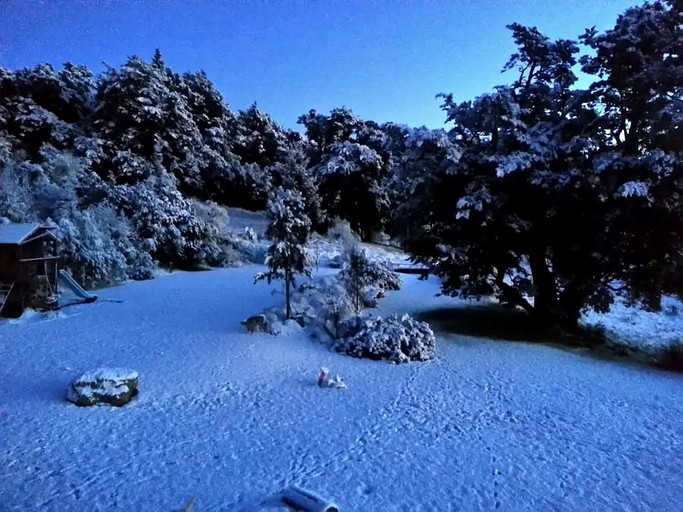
(356, 276)
(289, 229)
(350, 168)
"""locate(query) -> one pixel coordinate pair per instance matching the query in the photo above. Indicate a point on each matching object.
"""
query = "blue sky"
(384, 59)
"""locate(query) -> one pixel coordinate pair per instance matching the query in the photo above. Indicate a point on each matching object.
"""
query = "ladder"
(5, 290)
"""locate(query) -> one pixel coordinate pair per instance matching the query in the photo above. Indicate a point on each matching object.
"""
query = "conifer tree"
(289, 229)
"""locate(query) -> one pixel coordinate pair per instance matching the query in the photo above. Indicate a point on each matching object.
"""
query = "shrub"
(383, 276)
(398, 339)
(324, 304)
(99, 248)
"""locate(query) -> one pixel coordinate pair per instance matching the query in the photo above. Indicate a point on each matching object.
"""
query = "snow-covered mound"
(397, 339)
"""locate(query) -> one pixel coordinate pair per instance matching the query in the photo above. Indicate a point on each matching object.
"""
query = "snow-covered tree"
(537, 203)
(340, 125)
(421, 158)
(293, 172)
(350, 182)
(349, 168)
(355, 276)
(260, 140)
(366, 280)
(40, 106)
(288, 229)
(639, 90)
(638, 68)
(16, 198)
(141, 109)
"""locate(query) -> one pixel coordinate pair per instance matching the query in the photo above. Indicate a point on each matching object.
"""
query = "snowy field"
(232, 418)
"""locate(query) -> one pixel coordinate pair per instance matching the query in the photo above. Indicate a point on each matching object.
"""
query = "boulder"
(104, 386)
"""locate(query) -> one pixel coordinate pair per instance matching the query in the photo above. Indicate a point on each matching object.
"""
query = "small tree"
(356, 276)
(288, 229)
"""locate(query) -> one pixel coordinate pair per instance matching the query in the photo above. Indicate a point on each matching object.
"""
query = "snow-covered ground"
(232, 418)
(635, 327)
(324, 251)
(239, 219)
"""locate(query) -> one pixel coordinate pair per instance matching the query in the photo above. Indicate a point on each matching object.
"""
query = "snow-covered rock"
(104, 386)
(398, 339)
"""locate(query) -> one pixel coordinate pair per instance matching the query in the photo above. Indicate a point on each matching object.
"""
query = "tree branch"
(511, 294)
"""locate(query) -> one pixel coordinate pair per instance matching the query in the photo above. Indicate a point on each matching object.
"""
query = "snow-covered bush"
(16, 202)
(245, 247)
(215, 217)
(398, 339)
(322, 305)
(381, 275)
(341, 232)
(631, 326)
(160, 214)
(99, 247)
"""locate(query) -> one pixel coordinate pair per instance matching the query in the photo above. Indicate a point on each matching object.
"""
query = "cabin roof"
(15, 234)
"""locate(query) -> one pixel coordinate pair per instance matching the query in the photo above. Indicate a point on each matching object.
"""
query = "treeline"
(539, 191)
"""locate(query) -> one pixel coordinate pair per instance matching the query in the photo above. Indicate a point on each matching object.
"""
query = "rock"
(104, 386)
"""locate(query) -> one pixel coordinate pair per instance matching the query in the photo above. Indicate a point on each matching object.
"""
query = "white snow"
(16, 233)
(323, 252)
(636, 327)
(113, 374)
(233, 418)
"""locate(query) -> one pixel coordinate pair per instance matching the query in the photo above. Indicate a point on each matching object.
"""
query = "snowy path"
(231, 418)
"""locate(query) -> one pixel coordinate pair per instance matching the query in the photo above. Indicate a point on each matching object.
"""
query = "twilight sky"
(384, 59)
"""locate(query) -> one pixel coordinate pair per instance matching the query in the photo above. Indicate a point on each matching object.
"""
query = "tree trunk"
(571, 301)
(545, 289)
(288, 314)
(550, 308)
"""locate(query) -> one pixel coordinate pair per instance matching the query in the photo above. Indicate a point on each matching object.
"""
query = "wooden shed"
(29, 268)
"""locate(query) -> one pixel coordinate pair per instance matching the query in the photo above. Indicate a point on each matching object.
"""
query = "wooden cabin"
(29, 268)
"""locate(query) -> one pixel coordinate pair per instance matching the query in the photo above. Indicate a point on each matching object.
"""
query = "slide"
(68, 281)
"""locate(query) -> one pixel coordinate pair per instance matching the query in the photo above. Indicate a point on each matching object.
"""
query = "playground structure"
(29, 270)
